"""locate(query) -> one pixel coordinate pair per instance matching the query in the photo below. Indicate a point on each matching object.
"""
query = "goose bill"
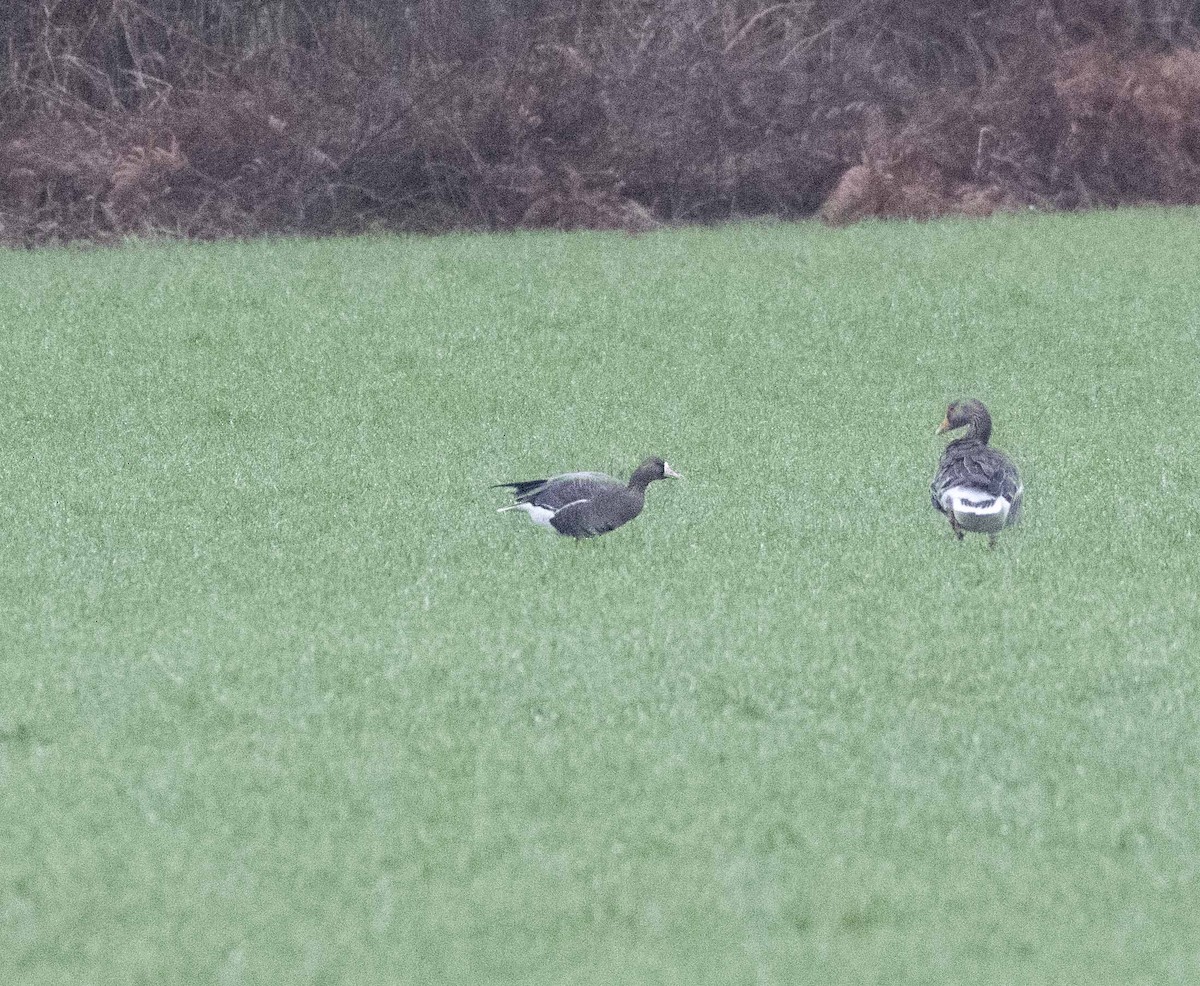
(943, 427)
(670, 473)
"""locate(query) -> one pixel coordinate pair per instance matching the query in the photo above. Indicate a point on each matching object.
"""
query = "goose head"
(650, 470)
(969, 414)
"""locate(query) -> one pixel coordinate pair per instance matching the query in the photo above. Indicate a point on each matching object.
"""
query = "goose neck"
(980, 428)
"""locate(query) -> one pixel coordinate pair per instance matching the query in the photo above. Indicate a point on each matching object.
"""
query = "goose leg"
(991, 540)
(954, 526)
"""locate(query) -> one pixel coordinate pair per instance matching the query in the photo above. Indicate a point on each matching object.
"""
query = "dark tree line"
(236, 117)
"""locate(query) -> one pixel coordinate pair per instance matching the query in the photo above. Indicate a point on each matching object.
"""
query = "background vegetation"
(213, 117)
(286, 701)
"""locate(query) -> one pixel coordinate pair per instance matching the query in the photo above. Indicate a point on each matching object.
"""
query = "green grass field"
(285, 701)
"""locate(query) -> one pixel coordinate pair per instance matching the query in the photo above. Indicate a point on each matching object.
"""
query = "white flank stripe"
(976, 510)
(539, 515)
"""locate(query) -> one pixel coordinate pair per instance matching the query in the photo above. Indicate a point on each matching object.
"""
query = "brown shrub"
(1133, 125)
(52, 181)
(866, 192)
(568, 203)
(144, 174)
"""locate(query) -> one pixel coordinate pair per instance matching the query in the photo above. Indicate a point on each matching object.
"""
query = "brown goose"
(586, 504)
(976, 486)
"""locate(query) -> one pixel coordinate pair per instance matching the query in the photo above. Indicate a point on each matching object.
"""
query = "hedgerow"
(210, 118)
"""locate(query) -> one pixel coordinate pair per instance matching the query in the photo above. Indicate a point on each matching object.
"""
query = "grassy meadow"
(286, 701)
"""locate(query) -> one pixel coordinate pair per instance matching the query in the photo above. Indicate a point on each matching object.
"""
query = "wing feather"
(971, 463)
(558, 491)
(598, 514)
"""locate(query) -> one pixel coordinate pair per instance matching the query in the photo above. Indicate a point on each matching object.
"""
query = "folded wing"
(558, 491)
(970, 476)
(603, 511)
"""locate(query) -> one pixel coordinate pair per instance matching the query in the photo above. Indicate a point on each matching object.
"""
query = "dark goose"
(977, 487)
(586, 504)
